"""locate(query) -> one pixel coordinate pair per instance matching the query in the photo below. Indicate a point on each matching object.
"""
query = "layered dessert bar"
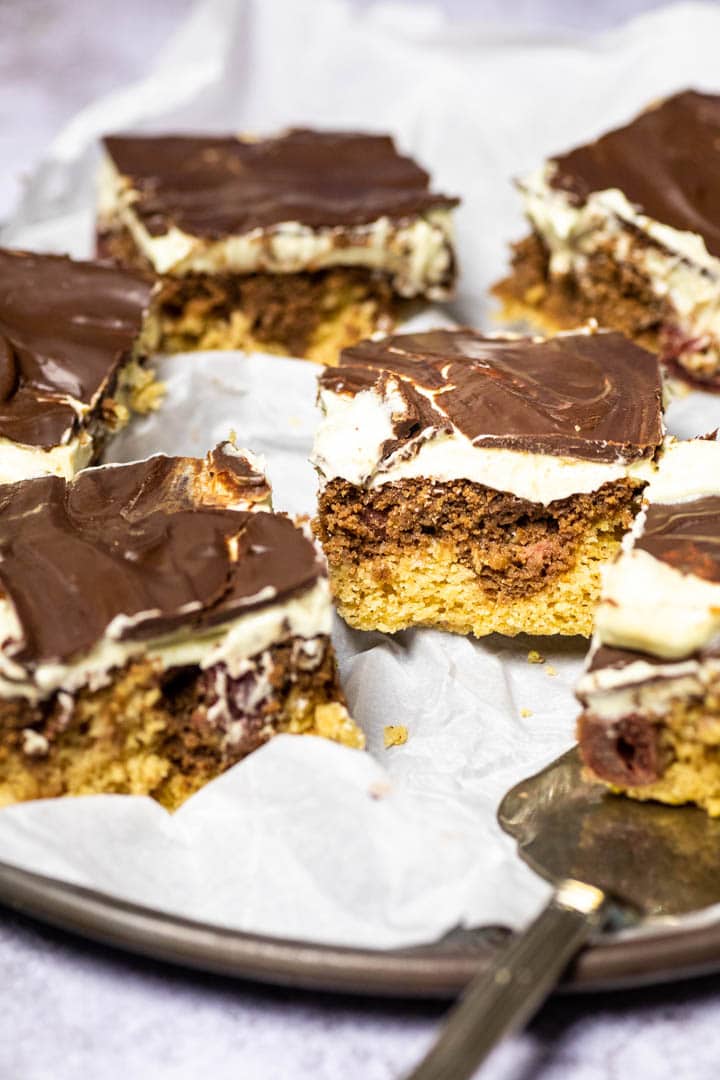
(158, 624)
(650, 725)
(626, 229)
(297, 244)
(478, 484)
(73, 341)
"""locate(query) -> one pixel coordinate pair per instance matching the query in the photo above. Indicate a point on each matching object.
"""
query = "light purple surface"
(72, 1010)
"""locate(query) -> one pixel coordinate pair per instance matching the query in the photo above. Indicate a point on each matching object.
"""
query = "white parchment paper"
(305, 838)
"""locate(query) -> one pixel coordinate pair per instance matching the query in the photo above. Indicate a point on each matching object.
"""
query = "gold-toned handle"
(504, 997)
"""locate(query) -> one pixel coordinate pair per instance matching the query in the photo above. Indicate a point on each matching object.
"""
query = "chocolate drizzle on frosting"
(138, 551)
(666, 162)
(590, 396)
(212, 186)
(65, 329)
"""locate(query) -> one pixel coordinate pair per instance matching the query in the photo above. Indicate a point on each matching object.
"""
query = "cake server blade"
(613, 862)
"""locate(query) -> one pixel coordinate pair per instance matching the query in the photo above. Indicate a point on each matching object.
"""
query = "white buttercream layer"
(19, 462)
(681, 271)
(417, 253)
(687, 469)
(232, 643)
(354, 430)
(651, 607)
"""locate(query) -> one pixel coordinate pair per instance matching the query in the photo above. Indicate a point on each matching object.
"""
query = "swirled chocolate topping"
(666, 161)
(65, 329)
(590, 396)
(685, 535)
(138, 551)
(212, 186)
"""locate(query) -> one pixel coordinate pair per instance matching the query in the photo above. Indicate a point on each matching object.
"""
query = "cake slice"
(73, 341)
(626, 229)
(299, 243)
(158, 624)
(650, 725)
(477, 484)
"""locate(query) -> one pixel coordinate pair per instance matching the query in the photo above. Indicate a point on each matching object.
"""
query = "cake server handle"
(504, 997)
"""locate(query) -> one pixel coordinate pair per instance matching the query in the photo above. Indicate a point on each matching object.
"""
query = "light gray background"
(71, 1010)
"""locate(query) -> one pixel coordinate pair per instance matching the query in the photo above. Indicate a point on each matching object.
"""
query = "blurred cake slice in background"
(298, 244)
(74, 337)
(626, 229)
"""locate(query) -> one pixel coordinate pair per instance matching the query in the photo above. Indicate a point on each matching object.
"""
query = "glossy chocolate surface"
(144, 547)
(666, 161)
(65, 329)
(685, 535)
(590, 396)
(212, 186)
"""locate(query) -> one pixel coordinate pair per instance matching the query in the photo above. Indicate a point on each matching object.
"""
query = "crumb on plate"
(395, 735)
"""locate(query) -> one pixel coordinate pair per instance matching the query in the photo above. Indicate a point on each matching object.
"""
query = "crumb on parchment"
(525, 713)
(395, 735)
(333, 721)
(534, 657)
(550, 670)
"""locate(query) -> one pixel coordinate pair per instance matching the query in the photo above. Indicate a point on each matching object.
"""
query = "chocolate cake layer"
(204, 720)
(283, 310)
(616, 294)
(212, 186)
(665, 161)
(139, 551)
(66, 328)
(515, 548)
(596, 397)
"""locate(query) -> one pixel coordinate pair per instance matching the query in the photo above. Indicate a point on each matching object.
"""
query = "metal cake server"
(613, 862)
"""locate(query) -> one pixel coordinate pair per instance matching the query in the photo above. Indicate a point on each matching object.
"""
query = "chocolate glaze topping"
(607, 656)
(145, 542)
(212, 186)
(65, 329)
(685, 535)
(590, 396)
(666, 161)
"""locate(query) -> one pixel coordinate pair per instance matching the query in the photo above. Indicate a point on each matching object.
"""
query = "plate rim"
(435, 970)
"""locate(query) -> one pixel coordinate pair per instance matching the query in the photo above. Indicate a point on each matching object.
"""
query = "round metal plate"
(438, 970)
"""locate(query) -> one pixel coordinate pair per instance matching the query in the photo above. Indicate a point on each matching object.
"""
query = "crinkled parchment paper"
(305, 838)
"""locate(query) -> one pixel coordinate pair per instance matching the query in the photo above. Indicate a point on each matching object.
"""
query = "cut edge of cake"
(476, 531)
